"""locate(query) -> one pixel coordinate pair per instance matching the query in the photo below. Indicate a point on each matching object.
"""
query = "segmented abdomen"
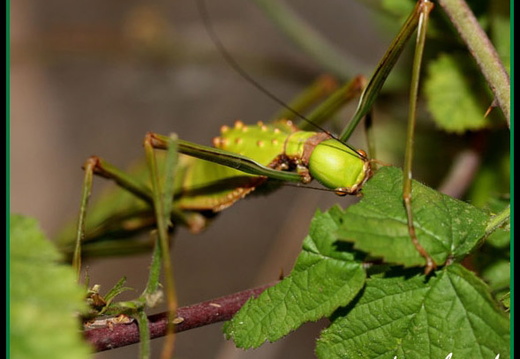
(209, 186)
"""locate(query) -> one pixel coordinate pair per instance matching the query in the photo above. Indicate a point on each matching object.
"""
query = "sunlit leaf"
(445, 227)
(323, 279)
(44, 297)
(415, 317)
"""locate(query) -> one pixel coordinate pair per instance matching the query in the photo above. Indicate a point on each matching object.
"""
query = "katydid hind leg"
(424, 7)
(101, 231)
(85, 197)
(162, 206)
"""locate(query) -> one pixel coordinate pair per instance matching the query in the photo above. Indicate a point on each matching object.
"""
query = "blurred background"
(92, 77)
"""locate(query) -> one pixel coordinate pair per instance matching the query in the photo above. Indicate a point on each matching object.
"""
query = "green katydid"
(267, 151)
(254, 153)
(251, 154)
(202, 186)
(205, 185)
(261, 167)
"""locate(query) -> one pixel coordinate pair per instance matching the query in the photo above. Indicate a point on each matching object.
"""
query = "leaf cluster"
(43, 294)
(359, 269)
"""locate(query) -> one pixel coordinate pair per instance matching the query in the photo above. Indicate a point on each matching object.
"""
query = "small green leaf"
(44, 297)
(505, 300)
(323, 280)
(445, 227)
(415, 317)
(116, 290)
(454, 98)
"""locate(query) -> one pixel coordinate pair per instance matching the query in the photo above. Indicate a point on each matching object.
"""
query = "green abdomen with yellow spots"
(208, 186)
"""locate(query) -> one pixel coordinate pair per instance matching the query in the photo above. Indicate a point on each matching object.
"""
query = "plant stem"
(311, 41)
(482, 50)
(498, 220)
(85, 196)
(190, 317)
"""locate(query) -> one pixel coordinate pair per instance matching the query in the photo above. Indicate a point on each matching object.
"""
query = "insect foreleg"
(389, 59)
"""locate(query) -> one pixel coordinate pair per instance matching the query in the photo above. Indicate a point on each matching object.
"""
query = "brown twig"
(190, 317)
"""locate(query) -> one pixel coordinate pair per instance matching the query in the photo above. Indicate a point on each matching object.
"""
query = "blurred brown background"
(91, 77)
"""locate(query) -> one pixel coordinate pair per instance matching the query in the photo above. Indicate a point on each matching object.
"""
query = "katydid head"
(339, 167)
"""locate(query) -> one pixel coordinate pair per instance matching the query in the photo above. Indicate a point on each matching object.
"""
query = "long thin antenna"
(236, 66)
(206, 19)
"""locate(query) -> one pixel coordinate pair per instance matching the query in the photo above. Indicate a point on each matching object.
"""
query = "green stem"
(482, 50)
(334, 103)
(144, 334)
(153, 284)
(310, 41)
(80, 234)
(317, 91)
(498, 220)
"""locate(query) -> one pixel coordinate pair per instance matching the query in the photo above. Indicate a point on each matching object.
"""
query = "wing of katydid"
(199, 186)
(117, 215)
(113, 214)
(210, 186)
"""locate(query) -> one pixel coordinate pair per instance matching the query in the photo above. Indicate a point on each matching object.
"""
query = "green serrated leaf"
(415, 317)
(323, 280)
(44, 297)
(453, 101)
(445, 227)
(116, 290)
